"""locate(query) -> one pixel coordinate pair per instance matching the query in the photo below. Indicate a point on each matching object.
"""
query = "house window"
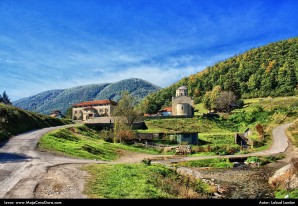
(181, 108)
(100, 110)
(76, 112)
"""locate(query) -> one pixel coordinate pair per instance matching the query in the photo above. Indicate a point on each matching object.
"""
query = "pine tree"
(5, 99)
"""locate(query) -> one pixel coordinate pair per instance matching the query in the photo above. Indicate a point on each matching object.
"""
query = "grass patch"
(83, 142)
(139, 181)
(194, 124)
(281, 194)
(292, 133)
(136, 148)
(263, 160)
(81, 147)
(213, 162)
(200, 109)
(15, 121)
(218, 138)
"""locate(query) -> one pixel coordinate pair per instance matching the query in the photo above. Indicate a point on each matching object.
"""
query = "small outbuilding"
(165, 112)
(242, 138)
(185, 137)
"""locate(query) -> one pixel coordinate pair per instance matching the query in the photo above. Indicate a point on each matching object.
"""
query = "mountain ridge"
(61, 99)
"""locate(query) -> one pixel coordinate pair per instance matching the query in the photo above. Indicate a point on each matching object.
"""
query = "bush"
(253, 160)
(146, 162)
(257, 143)
(125, 135)
(225, 149)
(294, 162)
(107, 135)
(198, 149)
(264, 159)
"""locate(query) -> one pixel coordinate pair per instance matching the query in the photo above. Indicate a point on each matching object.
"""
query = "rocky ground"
(63, 181)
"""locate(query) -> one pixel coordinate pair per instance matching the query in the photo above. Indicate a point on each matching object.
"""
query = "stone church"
(182, 104)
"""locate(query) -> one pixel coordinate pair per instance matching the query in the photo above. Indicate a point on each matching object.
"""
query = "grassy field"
(83, 142)
(200, 109)
(14, 121)
(269, 103)
(292, 133)
(215, 163)
(216, 135)
(195, 124)
(140, 181)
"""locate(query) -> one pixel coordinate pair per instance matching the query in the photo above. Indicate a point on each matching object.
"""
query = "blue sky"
(54, 44)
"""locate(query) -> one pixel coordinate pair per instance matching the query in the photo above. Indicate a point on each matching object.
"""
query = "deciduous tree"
(226, 101)
(126, 110)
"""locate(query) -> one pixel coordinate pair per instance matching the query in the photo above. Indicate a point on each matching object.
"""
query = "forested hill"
(270, 70)
(62, 99)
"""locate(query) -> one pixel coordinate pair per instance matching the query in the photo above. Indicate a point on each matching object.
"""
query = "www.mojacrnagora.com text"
(35, 202)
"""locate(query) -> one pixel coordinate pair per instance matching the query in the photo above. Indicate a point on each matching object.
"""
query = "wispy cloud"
(46, 45)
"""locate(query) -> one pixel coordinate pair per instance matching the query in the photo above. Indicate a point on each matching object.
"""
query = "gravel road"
(22, 167)
(28, 173)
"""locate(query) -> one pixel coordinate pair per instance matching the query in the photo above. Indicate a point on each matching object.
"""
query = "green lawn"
(201, 109)
(139, 181)
(215, 163)
(82, 142)
(195, 124)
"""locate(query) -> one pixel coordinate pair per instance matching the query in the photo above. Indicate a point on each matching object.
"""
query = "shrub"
(146, 162)
(198, 149)
(253, 160)
(294, 162)
(225, 149)
(107, 135)
(264, 159)
(125, 135)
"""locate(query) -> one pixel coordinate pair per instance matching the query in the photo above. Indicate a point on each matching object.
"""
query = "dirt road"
(279, 145)
(28, 173)
(22, 167)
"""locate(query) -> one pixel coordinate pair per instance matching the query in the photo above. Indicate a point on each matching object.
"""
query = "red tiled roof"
(167, 109)
(95, 102)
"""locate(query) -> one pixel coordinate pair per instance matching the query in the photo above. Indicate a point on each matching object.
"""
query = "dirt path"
(22, 167)
(27, 173)
(279, 145)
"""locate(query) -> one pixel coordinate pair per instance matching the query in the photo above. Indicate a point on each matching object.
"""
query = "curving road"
(20, 162)
(279, 145)
(22, 167)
